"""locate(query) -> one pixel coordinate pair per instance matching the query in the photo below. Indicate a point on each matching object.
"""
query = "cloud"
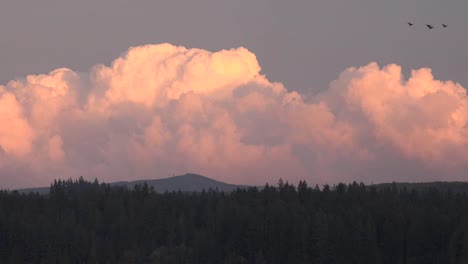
(162, 109)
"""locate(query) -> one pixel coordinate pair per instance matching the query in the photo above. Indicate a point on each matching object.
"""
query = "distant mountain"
(455, 187)
(186, 183)
(196, 183)
(40, 190)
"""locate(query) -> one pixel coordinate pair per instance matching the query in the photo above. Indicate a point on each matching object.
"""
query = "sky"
(240, 91)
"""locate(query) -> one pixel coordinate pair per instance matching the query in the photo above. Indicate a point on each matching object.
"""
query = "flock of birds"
(427, 25)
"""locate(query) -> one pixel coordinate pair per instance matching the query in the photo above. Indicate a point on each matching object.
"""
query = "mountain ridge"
(189, 182)
(444, 186)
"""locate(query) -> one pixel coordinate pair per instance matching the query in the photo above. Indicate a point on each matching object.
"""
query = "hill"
(454, 187)
(196, 183)
(186, 183)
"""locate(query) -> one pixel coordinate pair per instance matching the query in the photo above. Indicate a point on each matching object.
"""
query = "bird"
(430, 26)
(410, 24)
(444, 25)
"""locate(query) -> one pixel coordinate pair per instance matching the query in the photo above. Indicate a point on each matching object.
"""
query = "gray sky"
(304, 44)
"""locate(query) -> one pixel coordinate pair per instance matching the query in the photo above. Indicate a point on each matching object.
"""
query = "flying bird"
(444, 25)
(430, 26)
(410, 24)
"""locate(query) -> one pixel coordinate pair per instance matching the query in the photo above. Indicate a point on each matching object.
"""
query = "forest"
(92, 222)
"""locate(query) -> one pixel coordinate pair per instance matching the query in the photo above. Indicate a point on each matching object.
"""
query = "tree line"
(92, 222)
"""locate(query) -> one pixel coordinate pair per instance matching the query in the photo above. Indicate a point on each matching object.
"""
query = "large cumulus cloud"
(161, 109)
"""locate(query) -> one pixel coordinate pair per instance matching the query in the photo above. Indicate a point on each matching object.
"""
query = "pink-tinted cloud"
(161, 109)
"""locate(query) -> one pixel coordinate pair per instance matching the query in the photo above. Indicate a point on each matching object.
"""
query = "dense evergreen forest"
(91, 222)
